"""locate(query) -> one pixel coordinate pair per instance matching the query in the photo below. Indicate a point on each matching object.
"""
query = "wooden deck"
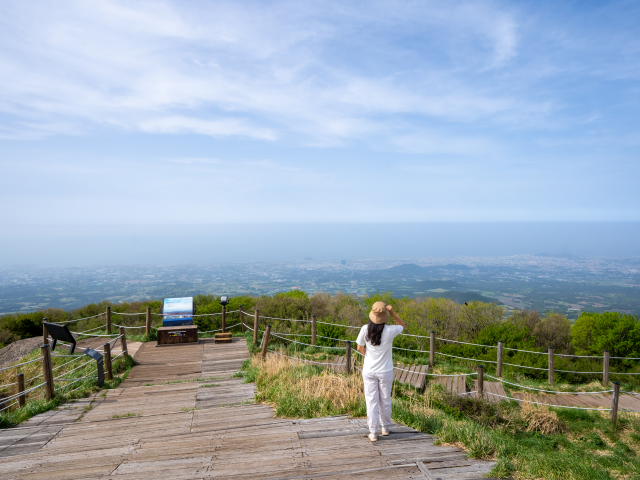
(208, 427)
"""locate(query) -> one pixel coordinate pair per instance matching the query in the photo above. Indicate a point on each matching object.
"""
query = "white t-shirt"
(378, 358)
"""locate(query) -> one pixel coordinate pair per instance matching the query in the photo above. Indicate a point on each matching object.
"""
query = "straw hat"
(379, 313)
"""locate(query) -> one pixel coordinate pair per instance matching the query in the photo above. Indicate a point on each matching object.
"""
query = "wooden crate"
(178, 334)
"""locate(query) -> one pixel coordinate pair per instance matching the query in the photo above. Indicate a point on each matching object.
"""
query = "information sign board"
(177, 311)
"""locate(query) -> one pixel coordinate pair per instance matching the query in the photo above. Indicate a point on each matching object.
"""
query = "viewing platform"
(181, 414)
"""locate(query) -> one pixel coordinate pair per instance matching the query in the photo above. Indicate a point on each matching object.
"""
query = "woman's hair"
(374, 333)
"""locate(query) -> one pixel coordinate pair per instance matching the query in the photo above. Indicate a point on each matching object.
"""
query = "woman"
(377, 371)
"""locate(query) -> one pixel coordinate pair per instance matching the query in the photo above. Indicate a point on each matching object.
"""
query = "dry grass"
(540, 418)
(301, 385)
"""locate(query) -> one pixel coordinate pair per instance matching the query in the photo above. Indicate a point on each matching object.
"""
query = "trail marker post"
(256, 315)
(107, 361)
(241, 312)
(123, 343)
(108, 320)
(432, 348)
(499, 364)
(148, 321)
(265, 341)
(47, 372)
(480, 380)
(615, 397)
(313, 330)
(45, 333)
(605, 368)
(21, 398)
(348, 357)
(550, 365)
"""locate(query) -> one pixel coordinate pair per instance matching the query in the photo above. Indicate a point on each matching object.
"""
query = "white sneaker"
(373, 437)
(385, 432)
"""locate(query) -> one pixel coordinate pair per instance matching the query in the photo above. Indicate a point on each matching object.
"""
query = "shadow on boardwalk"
(206, 427)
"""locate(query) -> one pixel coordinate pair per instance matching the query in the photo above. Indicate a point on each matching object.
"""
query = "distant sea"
(226, 242)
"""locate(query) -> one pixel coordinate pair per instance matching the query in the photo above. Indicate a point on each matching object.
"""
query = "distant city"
(563, 283)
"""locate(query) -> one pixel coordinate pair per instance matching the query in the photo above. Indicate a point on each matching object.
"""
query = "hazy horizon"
(66, 246)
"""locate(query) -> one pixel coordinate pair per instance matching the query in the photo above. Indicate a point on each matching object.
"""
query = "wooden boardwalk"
(208, 427)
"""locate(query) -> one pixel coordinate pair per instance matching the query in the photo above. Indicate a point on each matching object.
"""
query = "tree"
(593, 333)
(554, 330)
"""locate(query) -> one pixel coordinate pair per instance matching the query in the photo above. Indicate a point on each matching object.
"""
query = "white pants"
(377, 393)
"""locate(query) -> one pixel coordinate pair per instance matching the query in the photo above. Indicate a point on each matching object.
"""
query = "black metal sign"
(62, 333)
(99, 361)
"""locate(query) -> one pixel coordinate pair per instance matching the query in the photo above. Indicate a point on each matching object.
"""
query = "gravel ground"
(14, 352)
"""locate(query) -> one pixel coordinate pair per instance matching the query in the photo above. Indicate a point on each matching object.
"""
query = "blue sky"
(160, 112)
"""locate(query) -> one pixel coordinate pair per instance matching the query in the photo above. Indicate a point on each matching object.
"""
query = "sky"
(200, 112)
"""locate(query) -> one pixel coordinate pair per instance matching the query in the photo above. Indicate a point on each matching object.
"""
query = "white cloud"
(164, 67)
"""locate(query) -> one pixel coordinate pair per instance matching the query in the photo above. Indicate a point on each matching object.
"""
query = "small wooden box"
(178, 334)
(223, 337)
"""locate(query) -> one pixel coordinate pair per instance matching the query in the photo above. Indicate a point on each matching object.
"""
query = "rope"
(78, 319)
(120, 313)
(7, 385)
(410, 350)
(338, 325)
(547, 404)
(463, 358)
(622, 373)
(307, 344)
(60, 366)
(122, 326)
(211, 331)
(288, 319)
(547, 391)
(86, 331)
(24, 392)
(67, 379)
(34, 378)
(308, 361)
(463, 343)
(9, 406)
(20, 364)
(114, 358)
(71, 371)
(524, 366)
(81, 378)
(437, 374)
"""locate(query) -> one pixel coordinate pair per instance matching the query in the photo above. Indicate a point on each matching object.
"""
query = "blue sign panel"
(177, 311)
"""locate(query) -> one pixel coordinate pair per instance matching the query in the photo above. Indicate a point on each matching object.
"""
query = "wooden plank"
(425, 471)
(422, 377)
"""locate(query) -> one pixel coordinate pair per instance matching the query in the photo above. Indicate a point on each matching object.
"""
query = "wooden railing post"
(108, 320)
(605, 368)
(224, 318)
(148, 321)
(265, 341)
(45, 334)
(21, 398)
(432, 348)
(348, 356)
(550, 365)
(47, 372)
(615, 397)
(242, 319)
(107, 361)
(313, 330)
(256, 315)
(499, 364)
(123, 340)
(480, 380)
